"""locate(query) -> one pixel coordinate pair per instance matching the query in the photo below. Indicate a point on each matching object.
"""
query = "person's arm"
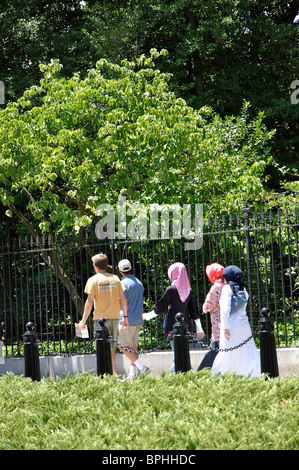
(195, 315)
(162, 304)
(211, 299)
(87, 309)
(225, 308)
(124, 307)
(199, 330)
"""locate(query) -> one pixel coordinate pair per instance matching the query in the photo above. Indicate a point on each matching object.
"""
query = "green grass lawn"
(190, 411)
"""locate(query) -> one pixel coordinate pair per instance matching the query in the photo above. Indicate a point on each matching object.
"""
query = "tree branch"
(51, 259)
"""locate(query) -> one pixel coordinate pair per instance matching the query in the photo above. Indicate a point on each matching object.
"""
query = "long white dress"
(244, 360)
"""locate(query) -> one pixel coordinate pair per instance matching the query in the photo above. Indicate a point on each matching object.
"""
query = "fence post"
(31, 356)
(268, 355)
(103, 349)
(1, 353)
(246, 211)
(181, 345)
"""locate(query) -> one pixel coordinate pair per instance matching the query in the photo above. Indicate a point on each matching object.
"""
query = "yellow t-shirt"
(106, 289)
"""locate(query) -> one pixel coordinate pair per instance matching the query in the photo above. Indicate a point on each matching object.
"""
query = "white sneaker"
(133, 373)
(131, 377)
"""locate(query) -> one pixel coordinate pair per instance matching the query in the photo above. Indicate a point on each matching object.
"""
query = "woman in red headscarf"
(214, 272)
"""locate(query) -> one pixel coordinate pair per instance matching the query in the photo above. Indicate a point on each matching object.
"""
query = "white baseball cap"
(124, 265)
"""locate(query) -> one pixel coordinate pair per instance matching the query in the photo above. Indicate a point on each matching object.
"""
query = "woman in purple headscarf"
(235, 329)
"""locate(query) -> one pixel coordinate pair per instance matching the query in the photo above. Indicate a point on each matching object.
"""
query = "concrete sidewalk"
(158, 362)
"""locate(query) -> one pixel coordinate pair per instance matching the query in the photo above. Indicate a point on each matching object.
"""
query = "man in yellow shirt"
(106, 294)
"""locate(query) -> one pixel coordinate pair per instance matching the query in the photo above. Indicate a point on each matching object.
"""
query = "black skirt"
(209, 358)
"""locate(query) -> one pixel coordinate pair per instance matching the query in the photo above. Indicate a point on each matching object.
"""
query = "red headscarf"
(177, 273)
(214, 272)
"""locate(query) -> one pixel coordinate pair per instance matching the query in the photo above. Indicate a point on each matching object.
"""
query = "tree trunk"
(51, 261)
(195, 56)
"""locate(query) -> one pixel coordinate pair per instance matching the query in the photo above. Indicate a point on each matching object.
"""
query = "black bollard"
(103, 349)
(181, 345)
(268, 355)
(31, 356)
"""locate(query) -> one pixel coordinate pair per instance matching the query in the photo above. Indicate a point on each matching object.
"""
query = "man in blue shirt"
(129, 336)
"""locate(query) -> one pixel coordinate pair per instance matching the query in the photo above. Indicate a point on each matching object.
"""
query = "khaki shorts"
(112, 325)
(129, 336)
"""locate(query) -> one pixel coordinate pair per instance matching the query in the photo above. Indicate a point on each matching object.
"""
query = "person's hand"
(81, 325)
(124, 323)
(226, 334)
(201, 335)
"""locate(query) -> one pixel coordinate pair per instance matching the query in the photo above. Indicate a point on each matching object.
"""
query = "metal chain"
(15, 352)
(139, 353)
(234, 347)
(195, 340)
(64, 354)
(120, 346)
(170, 336)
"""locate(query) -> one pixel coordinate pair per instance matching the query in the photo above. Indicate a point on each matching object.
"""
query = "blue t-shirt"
(134, 294)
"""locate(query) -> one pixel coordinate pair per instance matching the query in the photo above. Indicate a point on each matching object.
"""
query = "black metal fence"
(43, 280)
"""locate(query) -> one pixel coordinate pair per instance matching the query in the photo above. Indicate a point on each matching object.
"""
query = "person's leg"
(209, 357)
(172, 367)
(132, 358)
(114, 369)
(130, 355)
(129, 337)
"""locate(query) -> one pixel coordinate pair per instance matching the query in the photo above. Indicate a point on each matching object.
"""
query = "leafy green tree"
(221, 53)
(69, 145)
(38, 31)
